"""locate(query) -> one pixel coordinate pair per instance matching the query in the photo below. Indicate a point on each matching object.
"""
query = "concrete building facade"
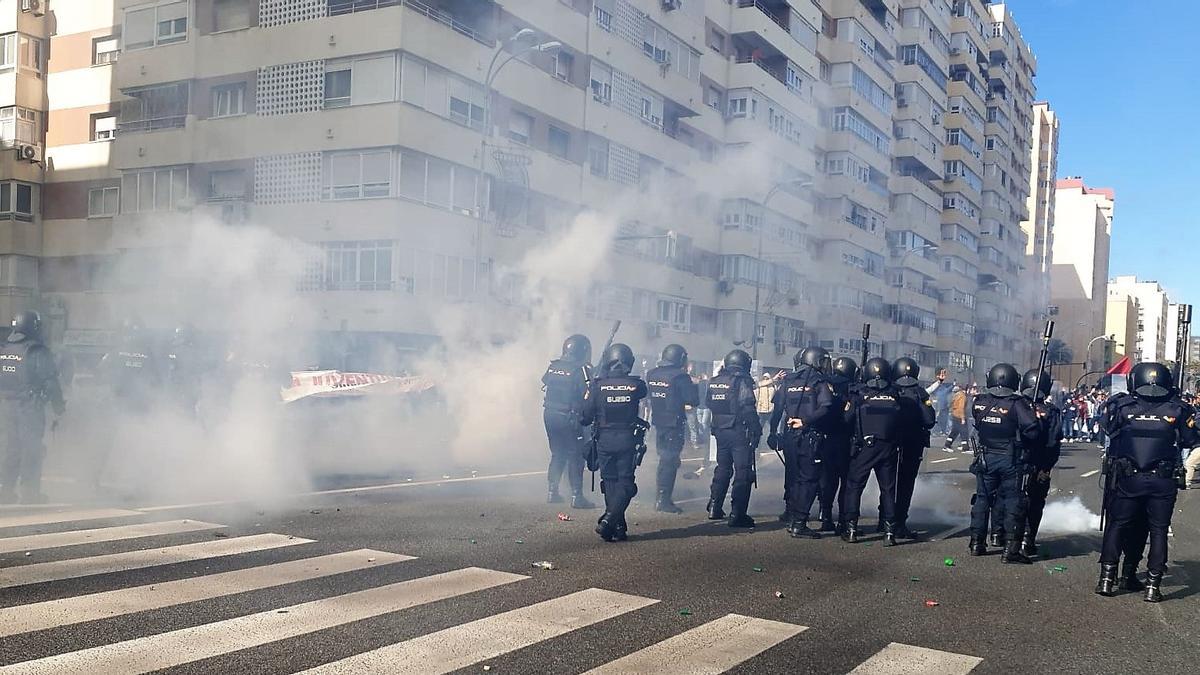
(1039, 227)
(1121, 321)
(1152, 316)
(1079, 267)
(897, 131)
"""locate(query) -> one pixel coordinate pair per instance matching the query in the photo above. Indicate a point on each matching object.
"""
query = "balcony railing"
(154, 124)
(765, 10)
(434, 13)
(339, 7)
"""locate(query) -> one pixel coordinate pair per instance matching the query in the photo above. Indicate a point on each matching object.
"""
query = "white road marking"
(898, 659)
(1091, 473)
(104, 534)
(165, 650)
(712, 648)
(469, 643)
(133, 560)
(939, 461)
(80, 608)
(48, 517)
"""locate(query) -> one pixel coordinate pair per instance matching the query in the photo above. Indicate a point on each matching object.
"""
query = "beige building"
(1121, 322)
(898, 133)
(1079, 269)
(1153, 314)
(1039, 227)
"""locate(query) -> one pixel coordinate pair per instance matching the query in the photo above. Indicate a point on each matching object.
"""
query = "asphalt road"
(70, 603)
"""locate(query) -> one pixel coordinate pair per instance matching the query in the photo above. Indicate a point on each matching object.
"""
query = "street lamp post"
(923, 248)
(758, 277)
(1087, 353)
(493, 70)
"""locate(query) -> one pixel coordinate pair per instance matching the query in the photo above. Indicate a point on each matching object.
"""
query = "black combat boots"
(1128, 581)
(799, 529)
(976, 546)
(606, 528)
(1012, 554)
(715, 512)
(740, 520)
(1107, 585)
(850, 532)
(889, 534)
(997, 540)
(554, 497)
(1153, 587)
(1028, 546)
(664, 503)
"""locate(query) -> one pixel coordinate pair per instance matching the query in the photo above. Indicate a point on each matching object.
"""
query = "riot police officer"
(28, 380)
(1147, 430)
(803, 401)
(737, 429)
(611, 405)
(565, 383)
(1008, 429)
(1136, 533)
(920, 419)
(185, 368)
(133, 368)
(1043, 456)
(672, 394)
(875, 415)
(836, 459)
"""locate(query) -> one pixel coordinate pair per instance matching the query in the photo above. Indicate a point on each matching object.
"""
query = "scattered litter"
(544, 565)
(221, 535)
(914, 578)
(779, 594)
(685, 612)
(27, 554)
(445, 475)
(483, 515)
(1060, 568)
(258, 524)
(520, 541)
(564, 517)
(932, 603)
(886, 591)
(757, 568)
(472, 541)
(370, 560)
(948, 562)
(407, 480)
(486, 668)
(281, 611)
(473, 472)
(291, 537)
(315, 512)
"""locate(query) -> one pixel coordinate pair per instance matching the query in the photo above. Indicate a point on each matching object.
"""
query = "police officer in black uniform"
(611, 405)
(803, 402)
(835, 462)
(1043, 456)
(876, 416)
(1135, 535)
(1147, 431)
(185, 368)
(737, 429)
(28, 380)
(920, 418)
(1008, 430)
(565, 383)
(672, 394)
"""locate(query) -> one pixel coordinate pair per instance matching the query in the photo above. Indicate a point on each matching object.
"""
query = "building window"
(466, 113)
(559, 142)
(104, 127)
(160, 189)
(103, 202)
(436, 182)
(230, 15)
(716, 41)
(601, 82)
(358, 265)
(227, 185)
(105, 50)
(16, 200)
(32, 52)
(360, 81)
(563, 64)
(520, 128)
(161, 24)
(675, 314)
(157, 107)
(19, 126)
(359, 174)
(229, 100)
(598, 156)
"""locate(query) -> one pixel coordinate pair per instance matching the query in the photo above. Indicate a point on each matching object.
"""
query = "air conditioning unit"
(668, 5)
(35, 6)
(725, 286)
(29, 153)
(901, 102)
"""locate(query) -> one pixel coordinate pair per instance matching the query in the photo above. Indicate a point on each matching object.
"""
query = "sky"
(1125, 82)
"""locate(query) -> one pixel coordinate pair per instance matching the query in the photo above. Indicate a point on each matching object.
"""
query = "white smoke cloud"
(1068, 516)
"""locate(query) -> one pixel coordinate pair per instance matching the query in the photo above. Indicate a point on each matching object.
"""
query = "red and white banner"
(331, 383)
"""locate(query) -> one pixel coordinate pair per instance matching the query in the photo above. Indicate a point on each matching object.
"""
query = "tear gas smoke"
(1069, 516)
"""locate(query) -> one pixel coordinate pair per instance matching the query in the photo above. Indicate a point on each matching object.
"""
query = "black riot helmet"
(577, 348)
(1152, 380)
(906, 371)
(1030, 380)
(618, 360)
(738, 361)
(674, 355)
(26, 325)
(1003, 376)
(814, 357)
(846, 367)
(877, 373)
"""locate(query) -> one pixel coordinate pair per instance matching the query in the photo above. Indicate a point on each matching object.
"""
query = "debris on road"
(370, 560)
(281, 611)
(27, 554)
(932, 603)
(520, 541)
(1056, 568)
(757, 568)
(221, 535)
(564, 517)
(685, 612)
(544, 565)
(914, 578)
(948, 562)
(779, 594)
(315, 512)
(472, 541)
(486, 668)
(445, 475)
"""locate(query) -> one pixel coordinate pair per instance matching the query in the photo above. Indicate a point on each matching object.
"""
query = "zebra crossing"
(713, 647)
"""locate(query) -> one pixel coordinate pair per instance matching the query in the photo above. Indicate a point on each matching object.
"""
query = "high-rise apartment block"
(1039, 227)
(1079, 269)
(1152, 314)
(424, 145)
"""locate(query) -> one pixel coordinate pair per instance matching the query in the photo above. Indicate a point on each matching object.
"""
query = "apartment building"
(424, 145)
(1152, 314)
(1039, 227)
(1120, 322)
(1079, 268)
